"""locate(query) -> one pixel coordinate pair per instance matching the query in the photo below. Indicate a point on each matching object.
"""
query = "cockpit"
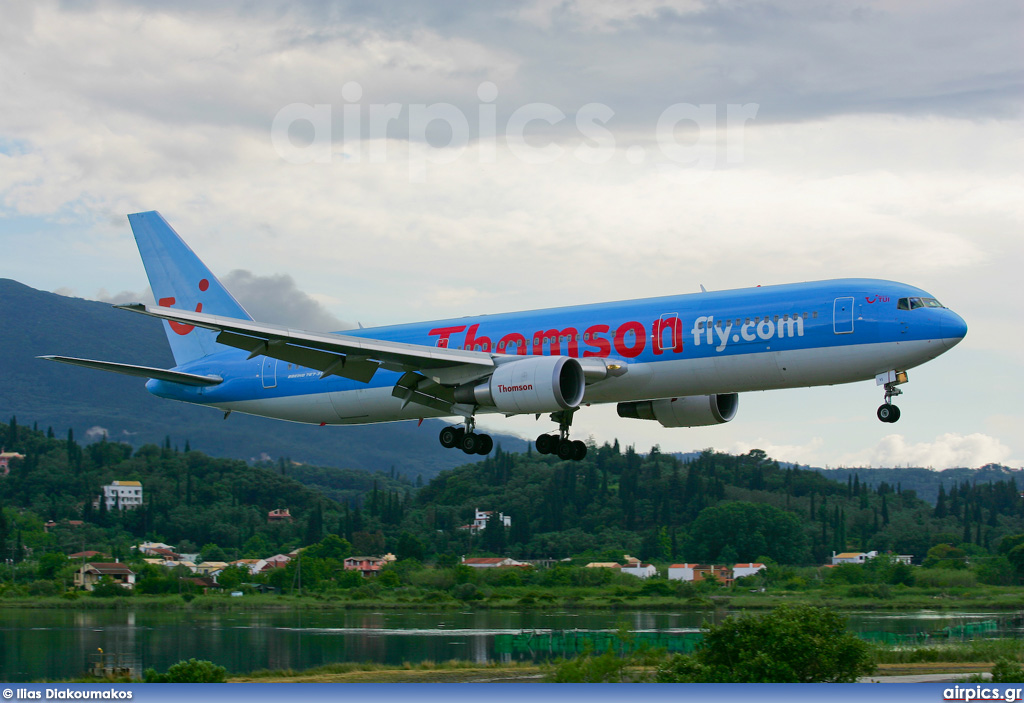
(915, 303)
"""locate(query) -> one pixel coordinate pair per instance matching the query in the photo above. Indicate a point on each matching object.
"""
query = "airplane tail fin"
(179, 279)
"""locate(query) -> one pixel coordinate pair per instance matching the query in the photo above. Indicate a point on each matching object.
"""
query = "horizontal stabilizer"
(188, 379)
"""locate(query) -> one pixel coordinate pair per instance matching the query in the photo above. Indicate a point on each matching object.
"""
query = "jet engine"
(537, 384)
(688, 411)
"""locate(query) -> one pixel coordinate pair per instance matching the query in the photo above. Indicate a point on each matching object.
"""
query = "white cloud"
(96, 432)
(947, 451)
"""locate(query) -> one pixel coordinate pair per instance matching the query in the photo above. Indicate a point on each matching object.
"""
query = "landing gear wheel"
(547, 444)
(580, 450)
(486, 444)
(450, 436)
(888, 413)
(470, 443)
(566, 450)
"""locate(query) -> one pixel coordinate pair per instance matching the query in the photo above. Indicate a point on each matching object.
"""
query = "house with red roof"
(491, 562)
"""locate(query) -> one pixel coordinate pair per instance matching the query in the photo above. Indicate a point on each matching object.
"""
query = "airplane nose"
(954, 329)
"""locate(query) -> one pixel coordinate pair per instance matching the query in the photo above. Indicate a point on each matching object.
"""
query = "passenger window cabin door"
(842, 316)
(268, 370)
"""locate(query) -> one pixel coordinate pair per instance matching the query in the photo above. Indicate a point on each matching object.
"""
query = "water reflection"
(37, 644)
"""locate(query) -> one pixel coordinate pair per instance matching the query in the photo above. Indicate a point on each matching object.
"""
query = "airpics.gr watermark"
(699, 137)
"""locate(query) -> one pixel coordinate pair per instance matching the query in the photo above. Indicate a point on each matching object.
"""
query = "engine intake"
(688, 411)
(538, 384)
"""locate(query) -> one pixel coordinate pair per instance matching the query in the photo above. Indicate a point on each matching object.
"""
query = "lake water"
(57, 644)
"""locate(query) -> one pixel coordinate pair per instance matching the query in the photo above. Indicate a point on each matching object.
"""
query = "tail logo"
(169, 302)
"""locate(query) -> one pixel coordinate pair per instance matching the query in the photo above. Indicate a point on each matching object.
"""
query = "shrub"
(792, 644)
(191, 671)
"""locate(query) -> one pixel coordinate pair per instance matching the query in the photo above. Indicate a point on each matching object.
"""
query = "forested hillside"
(714, 508)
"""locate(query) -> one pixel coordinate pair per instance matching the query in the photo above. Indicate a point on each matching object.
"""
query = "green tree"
(330, 547)
(946, 556)
(212, 552)
(791, 644)
(191, 671)
(409, 547)
(233, 576)
(750, 529)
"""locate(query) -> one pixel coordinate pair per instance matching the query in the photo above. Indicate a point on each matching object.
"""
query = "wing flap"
(327, 363)
(188, 379)
(417, 388)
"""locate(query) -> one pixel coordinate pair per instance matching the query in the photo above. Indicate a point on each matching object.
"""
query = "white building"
(482, 516)
(635, 568)
(682, 572)
(852, 557)
(741, 570)
(124, 495)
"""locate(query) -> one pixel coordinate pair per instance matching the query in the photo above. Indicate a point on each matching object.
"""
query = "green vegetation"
(791, 644)
(715, 508)
(191, 671)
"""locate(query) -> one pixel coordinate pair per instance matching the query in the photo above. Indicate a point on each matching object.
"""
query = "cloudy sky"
(387, 162)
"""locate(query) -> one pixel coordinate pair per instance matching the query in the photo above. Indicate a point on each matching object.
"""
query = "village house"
(701, 572)
(5, 459)
(148, 548)
(279, 515)
(481, 517)
(491, 562)
(682, 572)
(634, 567)
(92, 573)
(741, 570)
(121, 495)
(368, 566)
(254, 566)
(87, 555)
(278, 561)
(209, 568)
(603, 565)
(852, 557)
(63, 523)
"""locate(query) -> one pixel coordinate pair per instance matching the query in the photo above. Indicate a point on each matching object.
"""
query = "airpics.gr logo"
(169, 302)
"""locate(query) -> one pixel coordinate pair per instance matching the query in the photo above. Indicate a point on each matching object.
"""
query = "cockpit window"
(915, 303)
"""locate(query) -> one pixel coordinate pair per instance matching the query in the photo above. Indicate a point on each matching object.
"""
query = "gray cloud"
(799, 60)
(276, 299)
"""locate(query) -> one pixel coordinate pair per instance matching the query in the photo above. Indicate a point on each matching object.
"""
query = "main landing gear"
(560, 445)
(887, 412)
(466, 439)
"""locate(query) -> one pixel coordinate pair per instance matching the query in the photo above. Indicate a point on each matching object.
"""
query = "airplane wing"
(357, 358)
(189, 379)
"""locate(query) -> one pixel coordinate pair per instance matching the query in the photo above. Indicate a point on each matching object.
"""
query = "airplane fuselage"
(786, 336)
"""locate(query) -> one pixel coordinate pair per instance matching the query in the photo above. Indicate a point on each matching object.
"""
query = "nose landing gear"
(887, 412)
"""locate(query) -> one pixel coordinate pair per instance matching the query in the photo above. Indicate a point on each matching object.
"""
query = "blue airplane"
(678, 360)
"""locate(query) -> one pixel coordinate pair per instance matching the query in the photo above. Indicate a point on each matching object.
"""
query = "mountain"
(36, 322)
(926, 482)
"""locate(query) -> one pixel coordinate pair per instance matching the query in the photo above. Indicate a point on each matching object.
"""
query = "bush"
(792, 644)
(870, 590)
(191, 671)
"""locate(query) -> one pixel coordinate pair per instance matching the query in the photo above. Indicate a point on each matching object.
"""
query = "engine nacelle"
(536, 384)
(688, 411)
